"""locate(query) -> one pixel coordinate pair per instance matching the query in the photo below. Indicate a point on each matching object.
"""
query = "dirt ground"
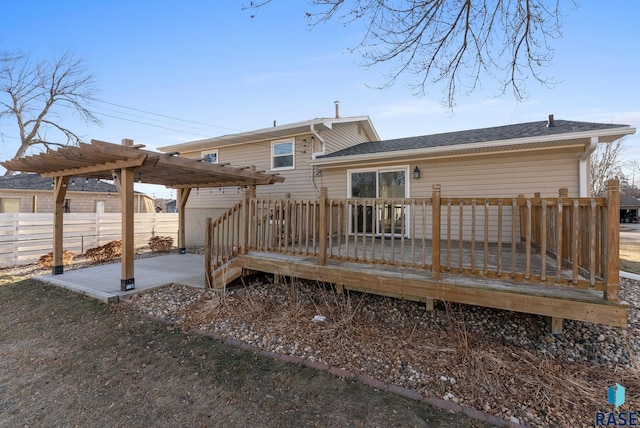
(66, 360)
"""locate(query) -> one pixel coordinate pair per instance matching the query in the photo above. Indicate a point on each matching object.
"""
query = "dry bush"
(104, 253)
(46, 261)
(161, 243)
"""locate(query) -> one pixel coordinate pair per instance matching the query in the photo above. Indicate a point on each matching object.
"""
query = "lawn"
(66, 360)
(630, 257)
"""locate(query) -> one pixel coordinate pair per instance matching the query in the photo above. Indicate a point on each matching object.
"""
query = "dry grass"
(630, 256)
(66, 360)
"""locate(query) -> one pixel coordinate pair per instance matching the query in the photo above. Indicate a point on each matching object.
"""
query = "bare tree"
(39, 95)
(454, 42)
(605, 165)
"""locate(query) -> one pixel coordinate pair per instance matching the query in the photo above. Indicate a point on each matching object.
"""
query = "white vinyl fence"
(25, 237)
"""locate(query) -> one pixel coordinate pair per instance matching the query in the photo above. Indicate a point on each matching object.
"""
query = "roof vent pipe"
(337, 103)
(550, 122)
(274, 123)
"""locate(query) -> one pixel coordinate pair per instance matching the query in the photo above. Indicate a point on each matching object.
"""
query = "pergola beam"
(109, 166)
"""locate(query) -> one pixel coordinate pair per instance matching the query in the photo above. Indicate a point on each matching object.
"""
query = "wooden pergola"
(127, 163)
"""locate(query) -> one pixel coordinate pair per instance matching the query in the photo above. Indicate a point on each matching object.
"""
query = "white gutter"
(322, 142)
(583, 179)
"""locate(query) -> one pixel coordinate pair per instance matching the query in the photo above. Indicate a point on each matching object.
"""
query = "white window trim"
(208, 152)
(293, 153)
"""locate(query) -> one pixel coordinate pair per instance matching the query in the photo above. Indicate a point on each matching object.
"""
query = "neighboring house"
(285, 149)
(629, 209)
(32, 193)
(165, 205)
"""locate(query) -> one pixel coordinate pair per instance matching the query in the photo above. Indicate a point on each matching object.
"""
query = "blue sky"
(209, 62)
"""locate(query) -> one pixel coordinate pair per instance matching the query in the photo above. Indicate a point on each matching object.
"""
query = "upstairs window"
(210, 156)
(282, 155)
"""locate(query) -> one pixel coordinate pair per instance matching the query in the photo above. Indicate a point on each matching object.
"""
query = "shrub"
(104, 253)
(46, 261)
(161, 243)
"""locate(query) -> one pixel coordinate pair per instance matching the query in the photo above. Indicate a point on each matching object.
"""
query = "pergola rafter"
(125, 164)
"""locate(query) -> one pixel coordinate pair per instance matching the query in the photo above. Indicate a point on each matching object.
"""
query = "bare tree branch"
(35, 94)
(605, 165)
(454, 42)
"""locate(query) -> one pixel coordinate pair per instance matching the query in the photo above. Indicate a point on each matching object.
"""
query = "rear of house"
(285, 149)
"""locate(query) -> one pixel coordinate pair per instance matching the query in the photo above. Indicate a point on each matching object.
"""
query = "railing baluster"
(499, 256)
(449, 221)
(514, 217)
(403, 219)
(373, 230)
(424, 234)
(575, 238)
(560, 244)
(393, 234)
(527, 269)
(412, 216)
(543, 240)
(486, 237)
(473, 236)
(592, 243)
(460, 236)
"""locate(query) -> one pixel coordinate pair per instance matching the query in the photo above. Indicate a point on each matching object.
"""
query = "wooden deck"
(556, 257)
(418, 285)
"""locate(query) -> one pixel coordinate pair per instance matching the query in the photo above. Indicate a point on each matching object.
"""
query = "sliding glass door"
(378, 218)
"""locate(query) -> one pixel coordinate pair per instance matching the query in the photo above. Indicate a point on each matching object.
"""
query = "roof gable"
(273, 133)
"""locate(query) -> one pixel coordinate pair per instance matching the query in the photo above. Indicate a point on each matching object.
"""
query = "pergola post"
(124, 182)
(183, 196)
(60, 185)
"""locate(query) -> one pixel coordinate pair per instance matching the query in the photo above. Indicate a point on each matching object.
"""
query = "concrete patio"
(103, 282)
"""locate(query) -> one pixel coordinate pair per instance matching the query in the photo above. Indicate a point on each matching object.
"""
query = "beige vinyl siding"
(298, 181)
(344, 135)
(495, 175)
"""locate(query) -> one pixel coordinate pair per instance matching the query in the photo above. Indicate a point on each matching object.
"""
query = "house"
(629, 209)
(33, 193)
(346, 156)
(498, 217)
(284, 149)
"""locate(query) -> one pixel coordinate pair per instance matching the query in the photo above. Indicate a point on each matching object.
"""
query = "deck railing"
(563, 241)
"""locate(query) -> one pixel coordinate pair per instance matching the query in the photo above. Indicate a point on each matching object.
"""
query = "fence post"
(435, 231)
(322, 228)
(612, 286)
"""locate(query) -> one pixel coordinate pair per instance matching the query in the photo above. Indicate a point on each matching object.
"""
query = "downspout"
(316, 134)
(583, 179)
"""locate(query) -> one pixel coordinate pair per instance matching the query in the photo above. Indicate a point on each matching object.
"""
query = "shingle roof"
(507, 132)
(629, 202)
(35, 182)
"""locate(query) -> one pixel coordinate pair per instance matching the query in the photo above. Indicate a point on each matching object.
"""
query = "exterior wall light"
(416, 173)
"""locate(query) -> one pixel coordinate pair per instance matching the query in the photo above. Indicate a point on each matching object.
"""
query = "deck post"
(612, 286)
(246, 221)
(556, 324)
(322, 228)
(435, 231)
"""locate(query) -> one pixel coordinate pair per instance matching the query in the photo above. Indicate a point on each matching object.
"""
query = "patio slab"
(103, 282)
